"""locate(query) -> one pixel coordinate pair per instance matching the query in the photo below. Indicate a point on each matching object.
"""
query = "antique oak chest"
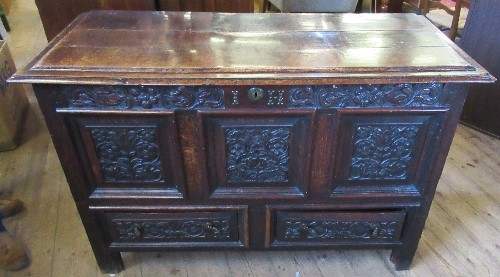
(251, 131)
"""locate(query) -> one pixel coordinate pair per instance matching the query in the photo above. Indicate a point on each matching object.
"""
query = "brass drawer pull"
(137, 232)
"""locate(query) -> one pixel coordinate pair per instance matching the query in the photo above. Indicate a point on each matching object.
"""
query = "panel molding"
(259, 156)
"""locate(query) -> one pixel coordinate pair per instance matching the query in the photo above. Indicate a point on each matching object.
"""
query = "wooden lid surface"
(176, 48)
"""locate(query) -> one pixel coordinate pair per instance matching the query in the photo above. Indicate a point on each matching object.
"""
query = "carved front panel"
(338, 226)
(383, 151)
(257, 155)
(128, 154)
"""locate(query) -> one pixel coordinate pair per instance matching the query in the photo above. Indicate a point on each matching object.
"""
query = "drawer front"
(176, 229)
(323, 228)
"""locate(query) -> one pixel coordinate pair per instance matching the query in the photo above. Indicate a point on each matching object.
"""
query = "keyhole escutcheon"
(255, 94)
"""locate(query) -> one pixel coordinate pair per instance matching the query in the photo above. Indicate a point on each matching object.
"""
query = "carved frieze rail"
(391, 95)
(143, 97)
(212, 97)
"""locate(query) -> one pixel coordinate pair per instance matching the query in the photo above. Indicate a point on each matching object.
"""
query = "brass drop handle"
(137, 232)
(311, 230)
(375, 233)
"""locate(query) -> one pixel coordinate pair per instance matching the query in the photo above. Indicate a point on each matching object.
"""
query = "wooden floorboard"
(461, 237)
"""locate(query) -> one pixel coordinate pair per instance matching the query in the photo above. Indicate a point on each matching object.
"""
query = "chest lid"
(177, 48)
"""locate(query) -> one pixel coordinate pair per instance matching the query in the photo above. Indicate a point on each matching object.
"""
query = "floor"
(461, 237)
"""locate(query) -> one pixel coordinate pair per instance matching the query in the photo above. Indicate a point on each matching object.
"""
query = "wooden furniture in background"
(312, 6)
(481, 40)
(424, 6)
(240, 6)
(202, 140)
(57, 14)
(387, 6)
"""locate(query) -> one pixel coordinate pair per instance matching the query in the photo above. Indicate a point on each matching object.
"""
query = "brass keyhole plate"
(255, 94)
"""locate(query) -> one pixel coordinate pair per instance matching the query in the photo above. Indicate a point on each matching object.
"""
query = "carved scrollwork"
(172, 229)
(295, 229)
(390, 95)
(128, 154)
(143, 97)
(257, 154)
(383, 151)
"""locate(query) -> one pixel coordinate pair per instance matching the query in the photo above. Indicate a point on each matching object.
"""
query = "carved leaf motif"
(108, 96)
(383, 151)
(301, 96)
(257, 154)
(146, 97)
(209, 97)
(128, 154)
(178, 97)
(334, 96)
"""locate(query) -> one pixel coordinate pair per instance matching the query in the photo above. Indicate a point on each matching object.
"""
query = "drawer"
(336, 228)
(176, 229)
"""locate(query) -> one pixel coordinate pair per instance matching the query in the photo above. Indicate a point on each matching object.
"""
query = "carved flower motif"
(365, 96)
(144, 97)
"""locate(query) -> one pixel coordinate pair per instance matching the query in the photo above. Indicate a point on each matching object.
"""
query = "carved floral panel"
(307, 229)
(383, 151)
(173, 229)
(257, 154)
(128, 154)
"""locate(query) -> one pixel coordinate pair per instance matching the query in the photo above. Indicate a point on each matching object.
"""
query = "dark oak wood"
(195, 131)
(481, 109)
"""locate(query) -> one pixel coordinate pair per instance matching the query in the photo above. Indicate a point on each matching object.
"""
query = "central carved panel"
(257, 154)
(128, 154)
(383, 151)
